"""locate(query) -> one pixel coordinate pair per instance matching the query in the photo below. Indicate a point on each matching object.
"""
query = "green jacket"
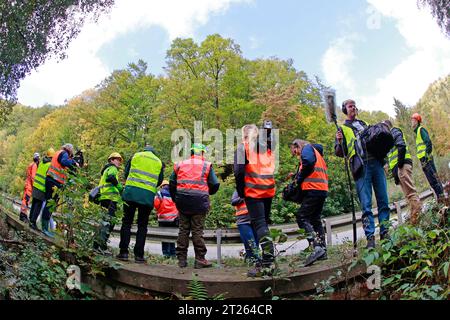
(110, 186)
(139, 195)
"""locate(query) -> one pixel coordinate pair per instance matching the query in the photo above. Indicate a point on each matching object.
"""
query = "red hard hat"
(417, 117)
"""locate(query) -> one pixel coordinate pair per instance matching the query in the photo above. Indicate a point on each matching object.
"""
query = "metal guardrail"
(231, 235)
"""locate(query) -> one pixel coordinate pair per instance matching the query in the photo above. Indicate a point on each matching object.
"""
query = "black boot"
(318, 253)
(370, 242)
(23, 217)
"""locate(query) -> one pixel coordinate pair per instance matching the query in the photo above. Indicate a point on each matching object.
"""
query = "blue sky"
(366, 49)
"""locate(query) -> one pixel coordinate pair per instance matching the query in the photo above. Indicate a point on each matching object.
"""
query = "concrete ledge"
(137, 280)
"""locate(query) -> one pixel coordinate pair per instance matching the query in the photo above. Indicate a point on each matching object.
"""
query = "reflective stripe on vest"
(421, 147)
(241, 209)
(56, 170)
(39, 178)
(167, 210)
(318, 179)
(144, 171)
(108, 191)
(259, 174)
(192, 175)
(393, 154)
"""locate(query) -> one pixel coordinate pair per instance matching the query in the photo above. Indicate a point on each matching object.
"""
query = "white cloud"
(429, 58)
(55, 82)
(255, 43)
(336, 63)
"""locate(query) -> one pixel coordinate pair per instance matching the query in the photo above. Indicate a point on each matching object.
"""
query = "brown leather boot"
(202, 263)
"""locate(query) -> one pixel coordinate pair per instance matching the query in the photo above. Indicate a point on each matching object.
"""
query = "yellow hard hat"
(165, 182)
(115, 155)
(50, 152)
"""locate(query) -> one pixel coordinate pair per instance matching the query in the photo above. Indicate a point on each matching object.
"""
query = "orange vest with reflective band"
(259, 174)
(31, 172)
(241, 209)
(56, 170)
(192, 175)
(318, 179)
(165, 208)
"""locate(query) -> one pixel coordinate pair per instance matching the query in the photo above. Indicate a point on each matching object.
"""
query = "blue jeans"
(249, 239)
(168, 248)
(373, 175)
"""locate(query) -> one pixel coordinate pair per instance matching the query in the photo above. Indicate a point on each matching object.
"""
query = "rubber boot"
(45, 231)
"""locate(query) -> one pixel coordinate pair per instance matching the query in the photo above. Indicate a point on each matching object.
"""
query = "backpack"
(377, 140)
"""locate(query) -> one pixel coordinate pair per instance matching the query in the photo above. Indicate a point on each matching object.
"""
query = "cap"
(115, 155)
(198, 147)
(50, 152)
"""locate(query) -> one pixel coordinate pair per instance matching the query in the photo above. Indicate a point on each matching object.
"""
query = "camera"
(79, 158)
(268, 139)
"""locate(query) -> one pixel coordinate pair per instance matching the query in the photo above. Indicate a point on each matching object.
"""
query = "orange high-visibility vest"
(27, 190)
(192, 175)
(56, 170)
(259, 174)
(241, 209)
(31, 173)
(318, 179)
(165, 208)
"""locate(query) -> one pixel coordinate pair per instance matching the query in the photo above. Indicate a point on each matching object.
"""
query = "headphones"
(344, 109)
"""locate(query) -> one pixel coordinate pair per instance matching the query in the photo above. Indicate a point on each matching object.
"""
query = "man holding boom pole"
(367, 172)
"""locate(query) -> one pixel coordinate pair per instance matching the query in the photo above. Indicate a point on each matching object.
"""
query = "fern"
(196, 289)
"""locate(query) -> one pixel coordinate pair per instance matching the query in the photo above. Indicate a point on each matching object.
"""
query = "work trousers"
(106, 224)
(194, 223)
(431, 173)
(309, 219)
(409, 190)
(129, 209)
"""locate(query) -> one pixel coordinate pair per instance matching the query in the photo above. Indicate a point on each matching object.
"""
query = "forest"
(214, 83)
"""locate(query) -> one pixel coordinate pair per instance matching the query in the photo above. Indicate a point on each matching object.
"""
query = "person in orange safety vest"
(312, 178)
(167, 213)
(31, 172)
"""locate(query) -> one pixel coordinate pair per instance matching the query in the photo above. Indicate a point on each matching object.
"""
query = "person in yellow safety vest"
(57, 176)
(424, 149)
(367, 172)
(110, 194)
(246, 231)
(401, 166)
(31, 172)
(144, 173)
(167, 213)
(38, 193)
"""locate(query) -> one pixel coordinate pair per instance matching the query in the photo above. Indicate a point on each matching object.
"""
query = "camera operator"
(57, 177)
(367, 172)
(254, 167)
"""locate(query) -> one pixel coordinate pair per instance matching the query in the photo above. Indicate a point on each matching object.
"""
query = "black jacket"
(400, 143)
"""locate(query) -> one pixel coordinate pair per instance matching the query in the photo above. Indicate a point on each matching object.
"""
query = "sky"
(368, 50)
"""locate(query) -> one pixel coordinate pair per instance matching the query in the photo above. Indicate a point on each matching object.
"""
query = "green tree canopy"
(32, 31)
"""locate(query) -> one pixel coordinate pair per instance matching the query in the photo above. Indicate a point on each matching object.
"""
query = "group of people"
(369, 174)
(184, 200)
